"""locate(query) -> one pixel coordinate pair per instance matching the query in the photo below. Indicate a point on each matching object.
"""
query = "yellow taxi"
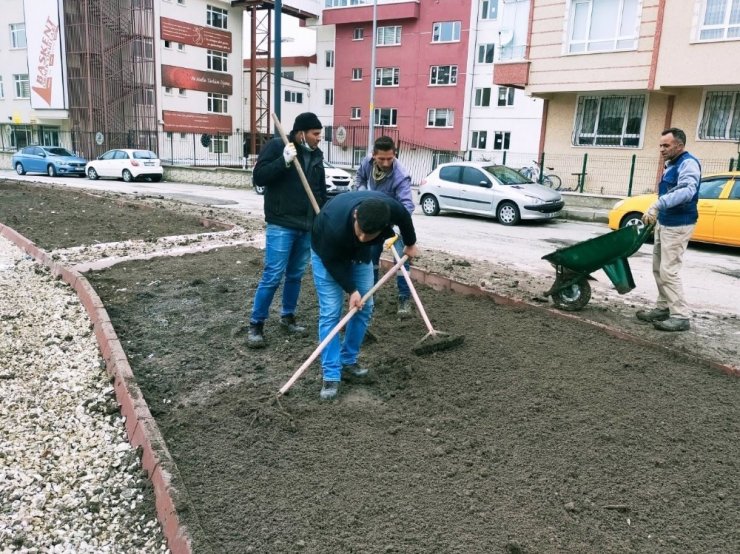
(719, 210)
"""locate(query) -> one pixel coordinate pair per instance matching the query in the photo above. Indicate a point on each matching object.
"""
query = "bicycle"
(548, 179)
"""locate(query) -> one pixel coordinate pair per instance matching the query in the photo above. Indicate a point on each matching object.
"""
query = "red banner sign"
(186, 122)
(194, 79)
(194, 35)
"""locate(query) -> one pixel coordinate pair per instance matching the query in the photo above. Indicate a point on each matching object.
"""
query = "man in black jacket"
(289, 216)
(341, 257)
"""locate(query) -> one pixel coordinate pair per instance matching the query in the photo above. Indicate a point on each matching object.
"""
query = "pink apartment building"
(422, 52)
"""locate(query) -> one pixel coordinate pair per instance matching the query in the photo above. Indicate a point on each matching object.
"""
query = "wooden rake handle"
(297, 165)
(338, 328)
(422, 311)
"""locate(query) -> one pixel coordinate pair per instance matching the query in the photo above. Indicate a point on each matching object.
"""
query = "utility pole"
(371, 115)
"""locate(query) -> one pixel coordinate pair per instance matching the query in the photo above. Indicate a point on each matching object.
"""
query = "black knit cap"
(306, 121)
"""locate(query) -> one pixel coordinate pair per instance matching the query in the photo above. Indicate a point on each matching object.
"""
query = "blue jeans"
(340, 352)
(286, 253)
(404, 293)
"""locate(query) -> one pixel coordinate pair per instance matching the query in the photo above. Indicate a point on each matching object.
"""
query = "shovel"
(338, 327)
(434, 340)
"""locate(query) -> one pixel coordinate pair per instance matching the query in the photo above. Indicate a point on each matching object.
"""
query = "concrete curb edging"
(441, 283)
(141, 428)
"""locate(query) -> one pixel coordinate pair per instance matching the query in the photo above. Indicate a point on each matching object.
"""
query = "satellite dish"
(505, 36)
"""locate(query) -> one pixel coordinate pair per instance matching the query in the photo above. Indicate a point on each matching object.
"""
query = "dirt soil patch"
(540, 434)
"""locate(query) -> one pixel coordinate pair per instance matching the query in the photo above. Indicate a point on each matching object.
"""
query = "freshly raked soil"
(539, 434)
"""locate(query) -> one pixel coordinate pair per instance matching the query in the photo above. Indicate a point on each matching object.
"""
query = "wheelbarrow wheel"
(573, 297)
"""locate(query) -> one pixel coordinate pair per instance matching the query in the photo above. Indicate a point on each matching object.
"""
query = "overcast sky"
(303, 43)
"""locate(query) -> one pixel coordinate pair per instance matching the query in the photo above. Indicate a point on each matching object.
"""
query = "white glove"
(289, 153)
(651, 216)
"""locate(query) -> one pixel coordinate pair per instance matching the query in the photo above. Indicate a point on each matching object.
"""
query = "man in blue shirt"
(674, 214)
(384, 173)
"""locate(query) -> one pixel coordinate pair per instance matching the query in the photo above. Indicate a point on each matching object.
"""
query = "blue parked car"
(52, 160)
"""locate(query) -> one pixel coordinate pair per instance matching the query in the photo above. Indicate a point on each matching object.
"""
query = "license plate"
(148, 163)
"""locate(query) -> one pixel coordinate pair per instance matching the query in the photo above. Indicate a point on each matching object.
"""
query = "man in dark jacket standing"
(289, 216)
(341, 256)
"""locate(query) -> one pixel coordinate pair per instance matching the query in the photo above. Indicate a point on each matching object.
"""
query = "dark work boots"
(256, 335)
(289, 325)
(656, 314)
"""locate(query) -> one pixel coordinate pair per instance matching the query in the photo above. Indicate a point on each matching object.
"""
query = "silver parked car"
(489, 190)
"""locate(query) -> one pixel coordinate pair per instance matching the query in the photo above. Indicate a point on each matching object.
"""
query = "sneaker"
(353, 370)
(329, 390)
(404, 307)
(289, 325)
(656, 314)
(256, 335)
(672, 324)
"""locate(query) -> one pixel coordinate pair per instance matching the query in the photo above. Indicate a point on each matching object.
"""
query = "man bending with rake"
(341, 240)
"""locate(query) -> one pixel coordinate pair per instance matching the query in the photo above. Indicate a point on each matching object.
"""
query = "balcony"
(360, 13)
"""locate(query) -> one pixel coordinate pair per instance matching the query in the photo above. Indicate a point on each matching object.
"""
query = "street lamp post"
(278, 58)
(371, 115)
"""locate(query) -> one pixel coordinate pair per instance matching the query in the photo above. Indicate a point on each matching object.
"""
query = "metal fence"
(587, 173)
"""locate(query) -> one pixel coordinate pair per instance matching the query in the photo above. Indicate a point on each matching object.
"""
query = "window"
(20, 136)
(293, 97)
(446, 31)
(217, 17)
(388, 36)
(440, 117)
(505, 96)
(356, 73)
(145, 97)
(478, 141)
(168, 44)
(180, 47)
(168, 91)
(219, 144)
(143, 48)
(602, 25)
(22, 88)
(17, 35)
(358, 33)
(217, 61)
(358, 154)
(329, 96)
(355, 113)
(482, 97)
(181, 2)
(609, 121)
(169, 135)
(183, 136)
(489, 9)
(386, 76)
(501, 140)
(720, 119)
(443, 75)
(181, 92)
(721, 20)
(49, 136)
(217, 103)
(386, 117)
(289, 75)
(339, 3)
(485, 53)
(329, 59)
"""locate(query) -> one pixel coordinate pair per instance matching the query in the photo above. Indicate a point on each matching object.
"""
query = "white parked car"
(127, 164)
(337, 180)
(489, 190)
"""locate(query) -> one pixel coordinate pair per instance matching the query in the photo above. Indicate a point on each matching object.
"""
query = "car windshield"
(506, 175)
(144, 155)
(59, 151)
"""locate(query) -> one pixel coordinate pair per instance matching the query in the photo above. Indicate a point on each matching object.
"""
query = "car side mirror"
(43, 154)
(486, 184)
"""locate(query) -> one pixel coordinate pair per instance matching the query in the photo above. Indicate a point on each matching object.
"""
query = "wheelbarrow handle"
(338, 327)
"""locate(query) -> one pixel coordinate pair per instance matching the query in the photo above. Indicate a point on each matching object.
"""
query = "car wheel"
(51, 171)
(19, 169)
(507, 213)
(429, 205)
(573, 297)
(92, 174)
(259, 189)
(634, 219)
(127, 176)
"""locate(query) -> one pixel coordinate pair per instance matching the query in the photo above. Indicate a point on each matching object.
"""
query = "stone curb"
(441, 283)
(141, 428)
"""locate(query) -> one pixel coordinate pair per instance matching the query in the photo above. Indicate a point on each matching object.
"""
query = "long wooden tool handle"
(406, 276)
(338, 328)
(297, 165)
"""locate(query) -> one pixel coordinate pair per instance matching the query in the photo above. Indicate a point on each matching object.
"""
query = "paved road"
(711, 274)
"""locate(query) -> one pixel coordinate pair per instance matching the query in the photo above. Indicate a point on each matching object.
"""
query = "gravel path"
(69, 480)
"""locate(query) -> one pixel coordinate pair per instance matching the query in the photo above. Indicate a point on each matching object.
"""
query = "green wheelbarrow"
(574, 265)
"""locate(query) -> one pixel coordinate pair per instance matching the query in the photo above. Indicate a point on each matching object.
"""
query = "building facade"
(433, 76)
(615, 73)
